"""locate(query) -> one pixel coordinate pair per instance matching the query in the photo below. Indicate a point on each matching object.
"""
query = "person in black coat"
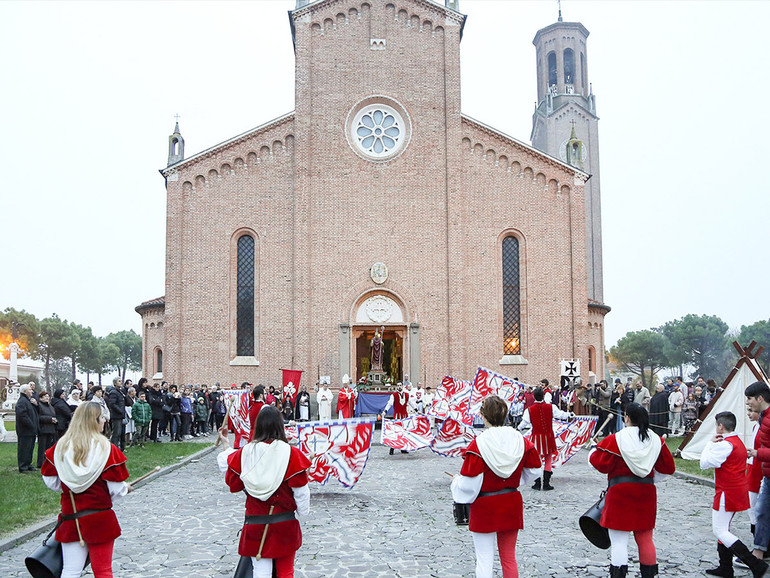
(155, 399)
(26, 429)
(116, 403)
(659, 411)
(63, 412)
(47, 421)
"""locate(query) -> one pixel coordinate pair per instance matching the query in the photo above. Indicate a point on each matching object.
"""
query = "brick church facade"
(377, 203)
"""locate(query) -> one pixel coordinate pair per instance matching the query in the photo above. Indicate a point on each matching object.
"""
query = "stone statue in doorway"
(378, 349)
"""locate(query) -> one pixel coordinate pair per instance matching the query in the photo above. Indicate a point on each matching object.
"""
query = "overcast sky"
(90, 90)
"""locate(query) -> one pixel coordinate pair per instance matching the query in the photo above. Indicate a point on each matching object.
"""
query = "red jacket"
(730, 479)
(754, 469)
(629, 506)
(282, 538)
(505, 511)
(763, 435)
(95, 528)
(541, 417)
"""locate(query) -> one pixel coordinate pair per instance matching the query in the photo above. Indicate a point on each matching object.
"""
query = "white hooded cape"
(640, 456)
(263, 467)
(502, 449)
(80, 478)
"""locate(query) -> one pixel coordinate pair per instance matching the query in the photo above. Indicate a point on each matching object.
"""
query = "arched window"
(159, 361)
(552, 77)
(569, 66)
(511, 297)
(245, 296)
(591, 359)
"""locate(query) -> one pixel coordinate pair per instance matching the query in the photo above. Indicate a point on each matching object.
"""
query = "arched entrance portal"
(371, 312)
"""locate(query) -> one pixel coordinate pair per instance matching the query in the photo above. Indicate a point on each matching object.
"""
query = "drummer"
(494, 466)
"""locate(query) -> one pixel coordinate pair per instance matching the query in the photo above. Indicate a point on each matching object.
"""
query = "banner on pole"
(408, 434)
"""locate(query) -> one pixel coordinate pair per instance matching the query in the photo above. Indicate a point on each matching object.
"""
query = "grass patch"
(691, 467)
(10, 425)
(25, 499)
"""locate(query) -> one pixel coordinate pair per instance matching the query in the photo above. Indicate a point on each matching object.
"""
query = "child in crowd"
(201, 415)
(141, 412)
(727, 455)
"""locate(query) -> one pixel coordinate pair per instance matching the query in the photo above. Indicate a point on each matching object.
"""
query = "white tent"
(729, 398)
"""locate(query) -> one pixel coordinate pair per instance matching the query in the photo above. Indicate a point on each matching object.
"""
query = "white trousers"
(485, 553)
(720, 524)
(74, 559)
(619, 547)
(262, 568)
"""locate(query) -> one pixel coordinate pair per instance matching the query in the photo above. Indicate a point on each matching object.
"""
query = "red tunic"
(253, 413)
(505, 511)
(95, 528)
(754, 470)
(346, 402)
(730, 479)
(628, 506)
(541, 417)
(399, 409)
(282, 538)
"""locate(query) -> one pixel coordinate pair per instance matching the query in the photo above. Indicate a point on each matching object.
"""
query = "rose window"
(378, 131)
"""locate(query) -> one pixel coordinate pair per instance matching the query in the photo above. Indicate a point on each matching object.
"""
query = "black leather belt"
(80, 514)
(269, 519)
(498, 492)
(629, 480)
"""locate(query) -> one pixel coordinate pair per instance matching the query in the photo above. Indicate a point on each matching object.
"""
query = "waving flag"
(570, 437)
(407, 434)
(452, 438)
(486, 383)
(291, 379)
(238, 400)
(337, 449)
(451, 400)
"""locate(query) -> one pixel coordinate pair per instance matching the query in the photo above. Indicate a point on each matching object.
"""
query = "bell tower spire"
(175, 145)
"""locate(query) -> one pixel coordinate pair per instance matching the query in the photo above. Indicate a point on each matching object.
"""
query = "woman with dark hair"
(63, 412)
(494, 466)
(276, 492)
(633, 459)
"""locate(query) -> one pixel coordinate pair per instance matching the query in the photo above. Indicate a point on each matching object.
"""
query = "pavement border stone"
(46, 525)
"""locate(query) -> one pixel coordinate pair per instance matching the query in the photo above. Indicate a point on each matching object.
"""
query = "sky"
(90, 91)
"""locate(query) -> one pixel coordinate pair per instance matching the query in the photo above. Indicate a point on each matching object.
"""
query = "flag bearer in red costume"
(273, 475)
(633, 459)
(90, 473)
(727, 455)
(539, 418)
(257, 403)
(399, 402)
(346, 400)
(494, 465)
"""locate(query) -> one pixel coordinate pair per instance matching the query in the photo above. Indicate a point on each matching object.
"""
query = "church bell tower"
(565, 124)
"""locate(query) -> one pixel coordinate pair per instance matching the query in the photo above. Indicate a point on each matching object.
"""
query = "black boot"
(547, 481)
(758, 567)
(725, 568)
(536, 485)
(618, 571)
(391, 451)
(648, 570)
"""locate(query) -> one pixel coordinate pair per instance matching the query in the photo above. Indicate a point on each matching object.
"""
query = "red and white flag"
(453, 438)
(570, 437)
(337, 449)
(238, 415)
(487, 383)
(291, 379)
(451, 400)
(407, 434)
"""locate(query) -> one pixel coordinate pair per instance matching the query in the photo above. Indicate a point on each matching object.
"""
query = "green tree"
(27, 328)
(104, 357)
(641, 353)
(700, 341)
(57, 340)
(759, 332)
(86, 350)
(130, 346)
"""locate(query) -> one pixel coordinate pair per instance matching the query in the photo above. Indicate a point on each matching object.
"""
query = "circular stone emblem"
(378, 128)
(379, 273)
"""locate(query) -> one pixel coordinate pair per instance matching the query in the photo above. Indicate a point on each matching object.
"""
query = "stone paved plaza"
(395, 522)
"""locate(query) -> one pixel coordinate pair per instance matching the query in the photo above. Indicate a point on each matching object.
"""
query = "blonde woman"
(90, 472)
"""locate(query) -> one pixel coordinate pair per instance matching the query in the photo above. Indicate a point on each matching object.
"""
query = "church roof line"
(524, 146)
(428, 4)
(234, 140)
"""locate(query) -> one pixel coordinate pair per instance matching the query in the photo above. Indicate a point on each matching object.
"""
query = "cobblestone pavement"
(395, 523)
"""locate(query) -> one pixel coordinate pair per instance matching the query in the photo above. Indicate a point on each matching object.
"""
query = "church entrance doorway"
(393, 361)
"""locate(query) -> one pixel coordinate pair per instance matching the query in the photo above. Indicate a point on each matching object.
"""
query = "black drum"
(461, 512)
(592, 530)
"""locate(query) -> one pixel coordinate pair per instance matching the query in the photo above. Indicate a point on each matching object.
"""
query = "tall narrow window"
(159, 361)
(569, 66)
(245, 296)
(583, 72)
(591, 359)
(552, 78)
(511, 297)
